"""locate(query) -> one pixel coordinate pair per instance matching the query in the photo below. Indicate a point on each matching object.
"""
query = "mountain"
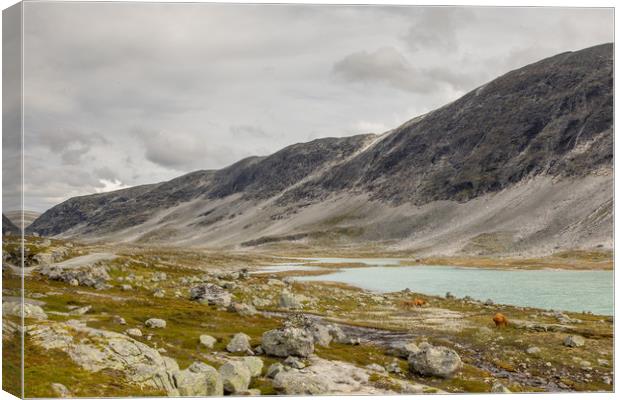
(520, 165)
(16, 215)
(8, 227)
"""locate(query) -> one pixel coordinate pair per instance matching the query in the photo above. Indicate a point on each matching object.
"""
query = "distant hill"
(29, 216)
(520, 165)
(8, 227)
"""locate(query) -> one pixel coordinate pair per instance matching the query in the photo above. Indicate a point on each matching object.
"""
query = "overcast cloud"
(120, 94)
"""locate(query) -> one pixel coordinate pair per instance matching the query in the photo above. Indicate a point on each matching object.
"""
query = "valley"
(85, 299)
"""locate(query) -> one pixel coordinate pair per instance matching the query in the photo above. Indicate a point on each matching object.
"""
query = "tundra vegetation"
(130, 320)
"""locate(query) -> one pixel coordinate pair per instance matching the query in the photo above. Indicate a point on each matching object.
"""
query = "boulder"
(96, 350)
(199, 379)
(80, 310)
(240, 343)
(288, 341)
(321, 334)
(436, 361)
(376, 368)
(212, 294)
(402, 349)
(337, 334)
(244, 273)
(323, 377)
(574, 341)
(292, 383)
(565, 319)
(94, 276)
(207, 341)
(236, 376)
(289, 300)
(61, 390)
(254, 364)
(135, 332)
(498, 387)
(30, 310)
(159, 293)
(245, 310)
(294, 362)
(119, 320)
(533, 350)
(274, 369)
(155, 323)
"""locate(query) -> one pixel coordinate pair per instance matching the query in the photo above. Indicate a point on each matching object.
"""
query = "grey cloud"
(248, 131)
(435, 29)
(180, 151)
(70, 145)
(389, 66)
(105, 173)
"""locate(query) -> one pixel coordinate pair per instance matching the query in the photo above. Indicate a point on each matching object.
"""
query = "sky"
(121, 94)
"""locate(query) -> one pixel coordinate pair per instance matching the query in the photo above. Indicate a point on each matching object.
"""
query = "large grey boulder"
(96, 350)
(199, 379)
(239, 343)
(212, 294)
(437, 361)
(324, 377)
(236, 376)
(288, 341)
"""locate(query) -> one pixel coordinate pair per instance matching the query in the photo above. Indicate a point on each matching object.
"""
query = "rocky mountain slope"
(522, 164)
(8, 227)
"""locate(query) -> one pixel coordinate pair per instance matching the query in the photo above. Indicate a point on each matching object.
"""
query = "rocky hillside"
(522, 164)
(8, 227)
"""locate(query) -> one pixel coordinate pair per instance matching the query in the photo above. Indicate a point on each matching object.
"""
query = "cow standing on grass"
(500, 320)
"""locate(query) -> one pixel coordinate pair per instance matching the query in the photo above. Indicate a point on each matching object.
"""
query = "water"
(286, 267)
(548, 289)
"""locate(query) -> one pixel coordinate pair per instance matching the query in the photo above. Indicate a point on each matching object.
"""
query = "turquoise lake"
(548, 289)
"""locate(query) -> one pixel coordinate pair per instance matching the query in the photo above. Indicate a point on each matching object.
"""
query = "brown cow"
(500, 320)
(419, 302)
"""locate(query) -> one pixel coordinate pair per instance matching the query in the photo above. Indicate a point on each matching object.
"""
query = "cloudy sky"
(120, 94)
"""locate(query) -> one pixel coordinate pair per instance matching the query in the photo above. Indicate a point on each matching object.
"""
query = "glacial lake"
(565, 290)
